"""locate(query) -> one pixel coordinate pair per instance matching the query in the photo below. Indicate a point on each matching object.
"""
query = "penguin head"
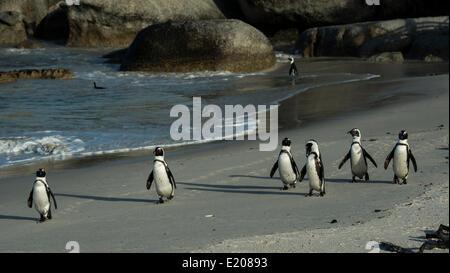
(158, 151)
(355, 132)
(311, 146)
(403, 135)
(291, 59)
(40, 172)
(286, 142)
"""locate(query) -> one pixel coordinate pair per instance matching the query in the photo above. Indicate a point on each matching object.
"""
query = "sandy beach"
(226, 201)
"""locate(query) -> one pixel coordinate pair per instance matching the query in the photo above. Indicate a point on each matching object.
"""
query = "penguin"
(314, 168)
(98, 87)
(165, 182)
(358, 157)
(402, 154)
(292, 69)
(40, 196)
(287, 167)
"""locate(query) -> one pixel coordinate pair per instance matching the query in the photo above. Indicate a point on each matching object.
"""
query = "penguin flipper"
(294, 166)
(302, 173)
(366, 154)
(274, 168)
(411, 157)
(293, 70)
(347, 157)
(53, 197)
(319, 170)
(389, 157)
(30, 200)
(171, 178)
(149, 180)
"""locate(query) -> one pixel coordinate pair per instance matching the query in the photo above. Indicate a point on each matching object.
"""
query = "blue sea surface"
(60, 119)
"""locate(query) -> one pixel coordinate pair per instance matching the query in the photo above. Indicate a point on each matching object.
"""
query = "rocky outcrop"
(116, 23)
(11, 27)
(225, 45)
(415, 38)
(25, 15)
(303, 14)
(29, 44)
(15, 75)
(387, 57)
(430, 46)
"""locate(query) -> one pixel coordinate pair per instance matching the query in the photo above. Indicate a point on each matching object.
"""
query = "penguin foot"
(405, 182)
(353, 180)
(285, 188)
(322, 193)
(395, 180)
(170, 197)
(366, 177)
(160, 201)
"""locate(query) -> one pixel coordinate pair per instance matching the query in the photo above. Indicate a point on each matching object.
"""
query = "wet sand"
(106, 208)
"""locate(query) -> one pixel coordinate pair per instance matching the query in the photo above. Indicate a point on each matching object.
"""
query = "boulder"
(14, 75)
(214, 45)
(410, 36)
(11, 28)
(432, 59)
(303, 14)
(432, 46)
(387, 57)
(32, 11)
(30, 44)
(116, 23)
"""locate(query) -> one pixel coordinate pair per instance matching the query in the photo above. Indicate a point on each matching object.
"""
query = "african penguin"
(40, 196)
(292, 69)
(98, 87)
(287, 168)
(358, 157)
(314, 168)
(165, 182)
(402, 154)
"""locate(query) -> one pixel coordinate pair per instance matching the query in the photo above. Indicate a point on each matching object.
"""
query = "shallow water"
(60, 119)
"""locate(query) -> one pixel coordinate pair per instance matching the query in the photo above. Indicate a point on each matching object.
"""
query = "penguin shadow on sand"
(107, 199)
(245, 189)
(250, 176)
(349, 180)
(14, 217)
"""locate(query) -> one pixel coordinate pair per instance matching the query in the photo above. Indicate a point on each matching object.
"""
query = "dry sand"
(225, 201)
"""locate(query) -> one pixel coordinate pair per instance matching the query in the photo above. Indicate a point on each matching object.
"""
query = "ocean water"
(61, 119)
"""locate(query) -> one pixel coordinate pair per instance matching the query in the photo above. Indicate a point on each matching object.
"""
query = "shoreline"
(288, 118)
(230, 181)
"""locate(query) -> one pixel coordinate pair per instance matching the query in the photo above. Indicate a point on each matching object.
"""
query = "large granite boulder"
(31, 13)
(303, 14)
(415, 38)
(387, 57)
(225, 45)
(116, 23)
(11, 28)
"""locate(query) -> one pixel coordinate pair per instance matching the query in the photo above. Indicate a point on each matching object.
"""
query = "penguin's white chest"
(287, 174)
(313, 176)
(40, 198)
(162, 183)
(359, 167)
(400, 163)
